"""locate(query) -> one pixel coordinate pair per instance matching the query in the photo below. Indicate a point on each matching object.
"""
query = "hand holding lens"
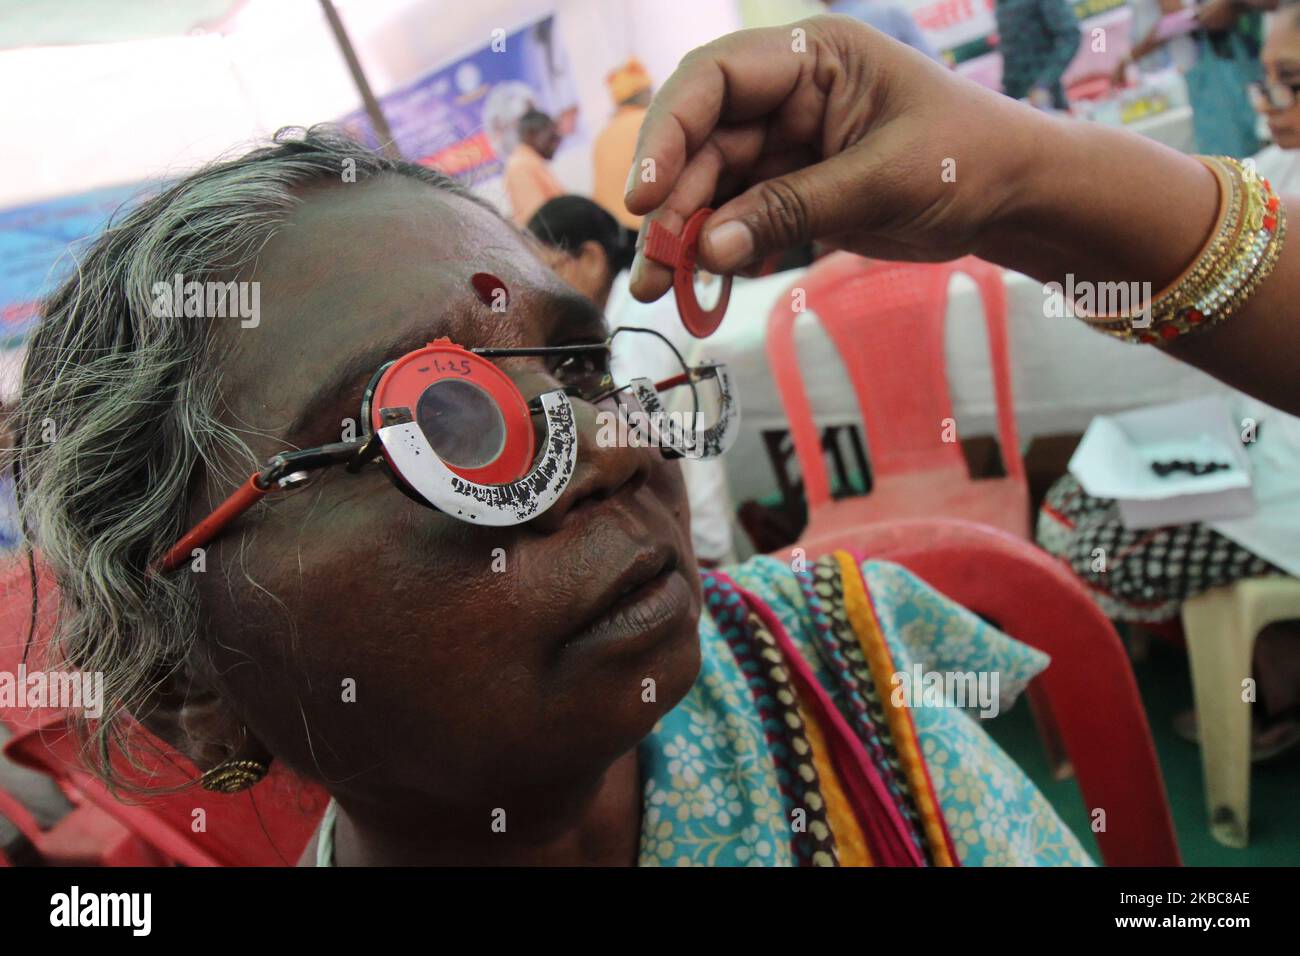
(679, 254)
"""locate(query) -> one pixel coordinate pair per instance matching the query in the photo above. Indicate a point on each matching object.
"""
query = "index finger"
(735, 78)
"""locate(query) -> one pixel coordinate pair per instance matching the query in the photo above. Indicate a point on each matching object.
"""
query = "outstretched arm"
(840, 134)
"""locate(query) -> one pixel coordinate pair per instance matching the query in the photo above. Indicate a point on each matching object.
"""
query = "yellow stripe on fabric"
(850, 843)
(863, 619)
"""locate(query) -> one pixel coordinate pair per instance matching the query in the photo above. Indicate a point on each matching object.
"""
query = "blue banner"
(461, 118)
(37, 244)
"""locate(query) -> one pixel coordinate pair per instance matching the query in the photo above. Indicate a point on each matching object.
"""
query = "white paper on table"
(1273, 532)
(1115, 457)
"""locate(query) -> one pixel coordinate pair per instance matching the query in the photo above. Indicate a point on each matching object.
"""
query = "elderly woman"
(562, 687)
(545, 691)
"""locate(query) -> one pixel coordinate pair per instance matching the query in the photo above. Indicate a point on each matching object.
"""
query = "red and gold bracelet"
(1242, 250)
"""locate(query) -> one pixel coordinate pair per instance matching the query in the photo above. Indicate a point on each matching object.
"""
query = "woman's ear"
(595, 275)
(187, 712)
(553, 257)
(593, 261)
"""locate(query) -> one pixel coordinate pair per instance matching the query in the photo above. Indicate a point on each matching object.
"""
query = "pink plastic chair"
(269, 825)
(1088, 688)
(87, 836)
(886, 320)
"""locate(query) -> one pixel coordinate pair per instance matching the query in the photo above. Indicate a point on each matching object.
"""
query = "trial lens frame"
(292, 469)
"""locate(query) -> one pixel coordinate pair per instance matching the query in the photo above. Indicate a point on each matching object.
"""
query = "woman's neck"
(598, 827)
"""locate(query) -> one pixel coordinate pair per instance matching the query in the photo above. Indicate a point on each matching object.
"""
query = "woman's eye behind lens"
(584, 374)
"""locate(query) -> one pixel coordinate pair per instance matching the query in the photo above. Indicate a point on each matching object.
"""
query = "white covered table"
(1062, 372)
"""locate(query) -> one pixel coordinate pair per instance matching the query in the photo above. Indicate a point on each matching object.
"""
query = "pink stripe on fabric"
(877, 813)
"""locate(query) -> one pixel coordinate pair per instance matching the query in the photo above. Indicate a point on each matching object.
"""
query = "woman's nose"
(605, 467)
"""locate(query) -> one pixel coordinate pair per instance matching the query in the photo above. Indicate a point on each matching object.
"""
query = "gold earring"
(233, 776)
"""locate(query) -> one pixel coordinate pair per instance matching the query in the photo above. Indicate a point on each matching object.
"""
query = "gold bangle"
(1125, 326)
(1253, 254)
(1241, 252)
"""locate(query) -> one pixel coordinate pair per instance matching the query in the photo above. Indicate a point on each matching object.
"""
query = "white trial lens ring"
(665, 432)
(512, 503)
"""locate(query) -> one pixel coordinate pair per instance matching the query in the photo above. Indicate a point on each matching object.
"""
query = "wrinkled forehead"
(354, 260)
(387, 261)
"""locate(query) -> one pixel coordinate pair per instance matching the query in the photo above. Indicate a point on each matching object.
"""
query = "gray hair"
(117, 418)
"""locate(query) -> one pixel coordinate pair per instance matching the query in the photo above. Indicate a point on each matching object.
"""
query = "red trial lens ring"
(470, 411)
(678, 253)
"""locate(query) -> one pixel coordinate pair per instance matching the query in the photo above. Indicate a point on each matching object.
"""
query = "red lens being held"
(679, 254)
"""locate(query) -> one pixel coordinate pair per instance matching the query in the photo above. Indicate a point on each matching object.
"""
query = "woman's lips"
(641, 615)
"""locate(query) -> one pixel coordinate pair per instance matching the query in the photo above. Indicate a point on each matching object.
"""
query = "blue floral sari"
(720, 781)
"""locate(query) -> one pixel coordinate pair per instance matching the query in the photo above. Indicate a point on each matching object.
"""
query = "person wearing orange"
(529, 180)
(630, 88)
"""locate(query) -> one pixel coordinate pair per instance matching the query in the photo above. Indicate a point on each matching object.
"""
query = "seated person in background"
(592, 252)
(528, 178)
(1150, 573)
(1275, 98)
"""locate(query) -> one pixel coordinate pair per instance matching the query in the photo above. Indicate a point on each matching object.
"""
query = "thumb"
(785, 211)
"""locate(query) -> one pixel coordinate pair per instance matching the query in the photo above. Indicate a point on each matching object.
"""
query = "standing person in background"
(889, 18)
(1038, 39)
(1216, 45)
(529, 180)
(1157, 40)
(631, 90)
(1228, 48)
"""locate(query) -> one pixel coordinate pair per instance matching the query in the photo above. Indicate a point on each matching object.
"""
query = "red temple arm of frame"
(672, 382)
(249, 494)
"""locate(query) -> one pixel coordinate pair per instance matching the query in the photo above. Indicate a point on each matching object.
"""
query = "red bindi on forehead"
(490, 290)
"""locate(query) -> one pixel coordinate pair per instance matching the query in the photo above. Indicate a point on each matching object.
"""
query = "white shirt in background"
(1281, 167)
(706, 479)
